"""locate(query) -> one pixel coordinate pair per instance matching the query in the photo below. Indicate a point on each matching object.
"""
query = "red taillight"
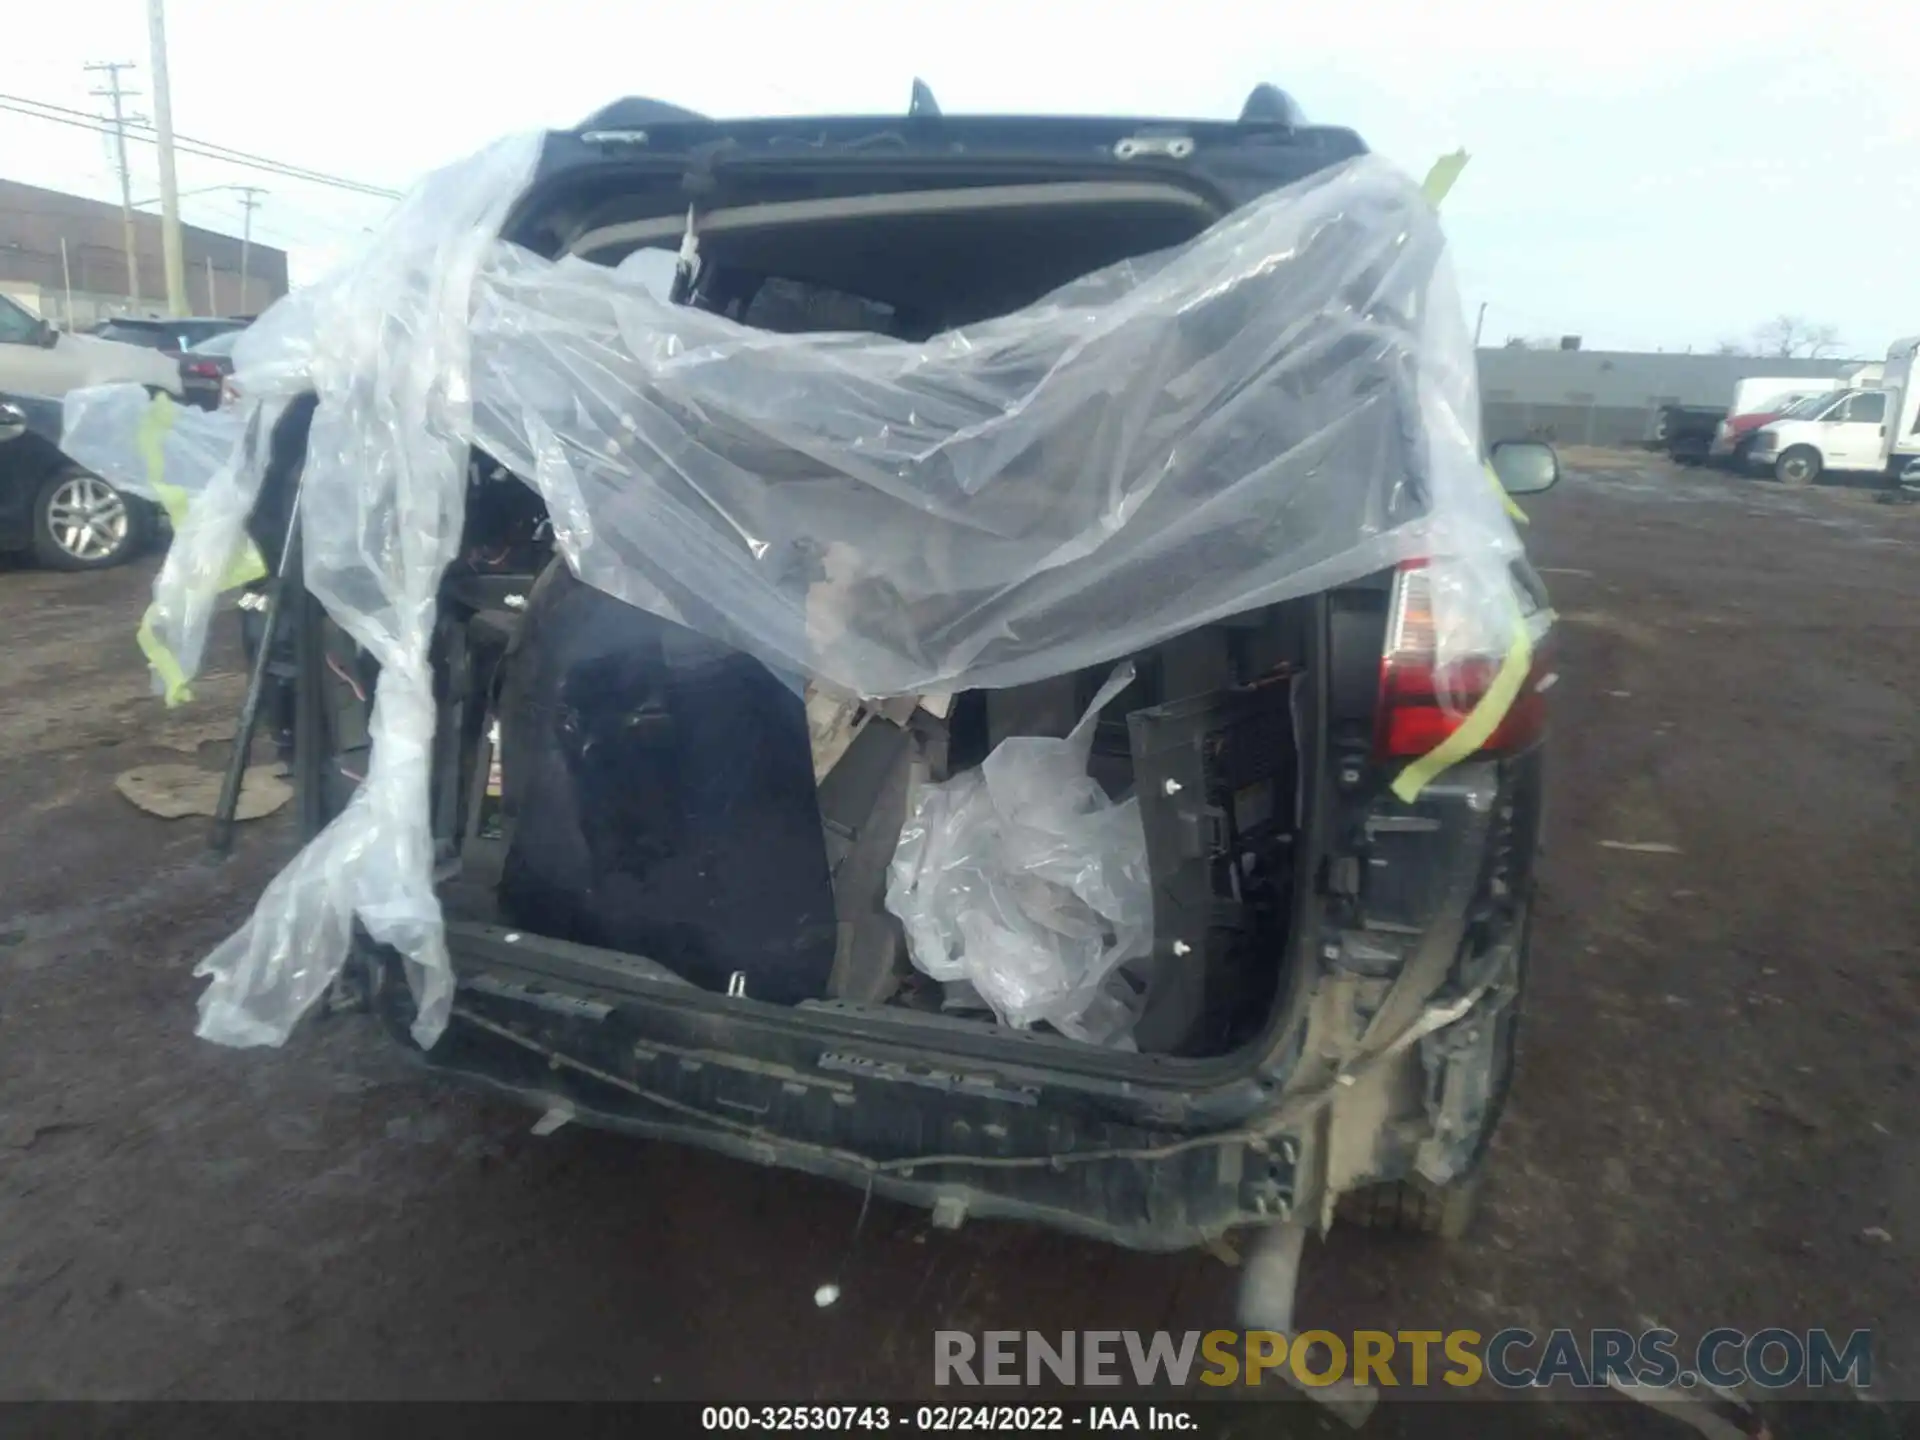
(1422, 702)
(205, 369)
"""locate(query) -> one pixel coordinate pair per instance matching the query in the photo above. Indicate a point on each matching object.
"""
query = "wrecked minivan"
(980, 657)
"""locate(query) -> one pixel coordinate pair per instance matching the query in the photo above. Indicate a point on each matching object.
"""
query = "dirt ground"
(1714, 1122)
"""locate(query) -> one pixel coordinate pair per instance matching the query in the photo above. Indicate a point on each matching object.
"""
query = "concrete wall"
(1608, 397)
(34, 221)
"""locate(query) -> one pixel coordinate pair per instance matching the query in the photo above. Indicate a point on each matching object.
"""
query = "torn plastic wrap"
(1025, 880)
(1283, 404)
(147, 444)
(189, 462)
(383, 346)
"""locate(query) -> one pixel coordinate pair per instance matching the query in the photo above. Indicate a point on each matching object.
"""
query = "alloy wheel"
(87, 518)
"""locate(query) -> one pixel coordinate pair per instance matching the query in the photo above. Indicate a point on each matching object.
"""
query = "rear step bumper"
(926, 1118)
(937, 1112)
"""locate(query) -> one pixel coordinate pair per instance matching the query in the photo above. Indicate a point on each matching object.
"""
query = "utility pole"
(1479, 324)
(248, 203)
(116, 93)
(169, 185)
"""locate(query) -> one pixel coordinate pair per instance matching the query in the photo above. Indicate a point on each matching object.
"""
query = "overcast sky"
(1644, 174)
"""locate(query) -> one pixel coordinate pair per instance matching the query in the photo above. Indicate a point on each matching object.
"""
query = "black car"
(205, 367)
(1686, 432)
(65, 516)
(660, 920)
(168, 334)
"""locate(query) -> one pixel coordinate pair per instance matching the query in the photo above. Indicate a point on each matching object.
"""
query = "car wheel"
(81, 522)
(1798, 466)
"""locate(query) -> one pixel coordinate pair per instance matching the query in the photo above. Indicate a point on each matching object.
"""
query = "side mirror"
(46, 336)
(13, 422)
(1526, 467)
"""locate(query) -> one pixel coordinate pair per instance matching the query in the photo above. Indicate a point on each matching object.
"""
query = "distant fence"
(1566, 423)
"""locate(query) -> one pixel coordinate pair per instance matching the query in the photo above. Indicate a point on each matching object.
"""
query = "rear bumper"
(1150, 1153)
(931, 1122)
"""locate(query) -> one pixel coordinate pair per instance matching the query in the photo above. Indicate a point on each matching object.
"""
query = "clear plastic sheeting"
(1283, 404)
(1286, 402)
(191, 463)
(382, 496)
(1025, 880)
(147, 444)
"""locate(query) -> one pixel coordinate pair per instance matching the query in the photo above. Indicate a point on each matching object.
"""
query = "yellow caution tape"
(1514, 512)
(163, 661)
(150, 440)
(1481, 721)
(1439, 181)
(1440, 178)
(1484, 718)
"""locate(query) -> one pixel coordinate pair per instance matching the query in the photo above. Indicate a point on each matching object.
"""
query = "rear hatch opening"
(637, 803)
(623, 786)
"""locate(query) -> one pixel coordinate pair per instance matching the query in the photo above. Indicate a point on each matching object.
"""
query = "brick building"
(33, 271)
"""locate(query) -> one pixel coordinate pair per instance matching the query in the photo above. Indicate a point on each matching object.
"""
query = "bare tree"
(1787, 336)
(1732, 347)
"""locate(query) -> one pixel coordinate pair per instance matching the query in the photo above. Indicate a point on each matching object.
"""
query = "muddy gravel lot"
(1714, 1122)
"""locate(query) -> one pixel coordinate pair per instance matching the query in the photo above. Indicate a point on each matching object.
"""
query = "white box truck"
(1862, 430)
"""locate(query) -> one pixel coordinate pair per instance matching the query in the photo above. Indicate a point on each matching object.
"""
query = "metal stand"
(221, 844)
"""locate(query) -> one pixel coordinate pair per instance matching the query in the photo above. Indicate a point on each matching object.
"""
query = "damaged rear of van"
(978, 657)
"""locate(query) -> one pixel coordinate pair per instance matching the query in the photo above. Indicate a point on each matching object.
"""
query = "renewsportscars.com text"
(1769, 1359)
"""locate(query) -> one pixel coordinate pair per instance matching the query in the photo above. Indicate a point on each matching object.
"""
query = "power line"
(301, 230)
(249, 202)
(213, 150)
(204, 149)
(327, 218)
